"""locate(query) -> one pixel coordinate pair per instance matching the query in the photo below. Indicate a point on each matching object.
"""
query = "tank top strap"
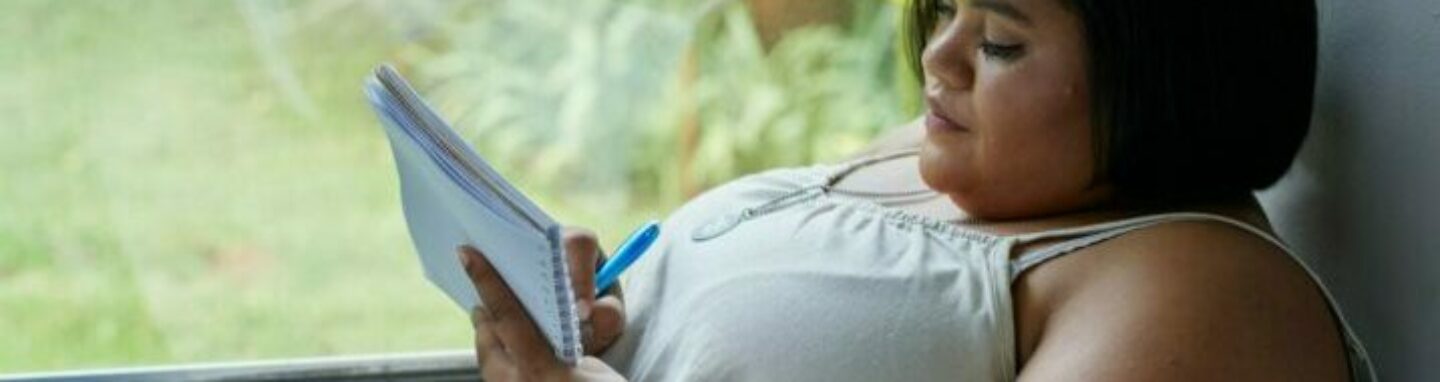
(1085, 236)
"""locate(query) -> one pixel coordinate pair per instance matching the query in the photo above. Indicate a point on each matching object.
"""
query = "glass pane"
(186, 181)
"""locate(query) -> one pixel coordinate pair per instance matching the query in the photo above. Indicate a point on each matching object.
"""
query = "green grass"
(162, 201)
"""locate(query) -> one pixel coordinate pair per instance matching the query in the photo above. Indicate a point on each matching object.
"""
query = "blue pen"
(629, 251)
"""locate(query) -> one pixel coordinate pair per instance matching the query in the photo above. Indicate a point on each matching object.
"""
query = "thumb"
(607, 322)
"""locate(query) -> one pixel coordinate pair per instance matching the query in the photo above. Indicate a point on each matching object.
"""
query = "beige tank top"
(779, 277)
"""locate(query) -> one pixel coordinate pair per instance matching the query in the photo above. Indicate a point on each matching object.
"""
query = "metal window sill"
(458, 365)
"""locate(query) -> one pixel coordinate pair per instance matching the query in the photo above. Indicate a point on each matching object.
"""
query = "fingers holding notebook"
(515, 332)
(602, 318)
(508, 346)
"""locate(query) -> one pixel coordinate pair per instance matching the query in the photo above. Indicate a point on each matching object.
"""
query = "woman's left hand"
(508, 345)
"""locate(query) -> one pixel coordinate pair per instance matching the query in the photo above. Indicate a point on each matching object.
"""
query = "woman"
(1076, 205)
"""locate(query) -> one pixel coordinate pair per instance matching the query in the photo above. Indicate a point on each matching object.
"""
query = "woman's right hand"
(508, 345)
(601, 319)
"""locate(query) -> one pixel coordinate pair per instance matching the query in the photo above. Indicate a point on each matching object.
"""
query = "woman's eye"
(1002, 52)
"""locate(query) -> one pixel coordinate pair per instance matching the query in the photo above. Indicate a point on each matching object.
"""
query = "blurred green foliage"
(594, 99)
(202, 180)
(820, 94)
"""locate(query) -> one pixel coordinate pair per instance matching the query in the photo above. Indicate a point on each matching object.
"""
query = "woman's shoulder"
(1202, 256)
(1202, 296)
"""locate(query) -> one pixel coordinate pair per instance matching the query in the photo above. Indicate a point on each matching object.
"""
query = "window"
(202, 181)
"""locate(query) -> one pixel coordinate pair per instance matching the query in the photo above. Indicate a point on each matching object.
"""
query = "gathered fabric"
(776, 277)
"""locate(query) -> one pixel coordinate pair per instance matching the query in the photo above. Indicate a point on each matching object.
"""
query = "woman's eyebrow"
(1004, 8)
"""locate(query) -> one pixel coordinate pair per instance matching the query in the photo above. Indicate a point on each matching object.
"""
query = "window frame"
(452, 365)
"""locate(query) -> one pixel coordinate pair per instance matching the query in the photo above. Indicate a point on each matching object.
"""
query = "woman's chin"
(939, 168)
(946, 173)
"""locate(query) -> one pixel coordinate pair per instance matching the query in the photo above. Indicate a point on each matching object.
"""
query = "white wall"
(1363, 202)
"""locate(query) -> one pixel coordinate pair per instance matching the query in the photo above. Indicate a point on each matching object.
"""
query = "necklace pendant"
(716, 227)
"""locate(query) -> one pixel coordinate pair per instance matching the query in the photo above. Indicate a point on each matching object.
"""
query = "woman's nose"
(946, 61)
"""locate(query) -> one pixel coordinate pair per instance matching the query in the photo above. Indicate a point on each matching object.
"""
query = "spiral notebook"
(452, 197)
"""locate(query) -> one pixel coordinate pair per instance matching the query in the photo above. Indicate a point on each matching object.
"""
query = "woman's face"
(1008, 133)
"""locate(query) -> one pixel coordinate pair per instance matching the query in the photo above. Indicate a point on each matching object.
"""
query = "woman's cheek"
(1032, 148)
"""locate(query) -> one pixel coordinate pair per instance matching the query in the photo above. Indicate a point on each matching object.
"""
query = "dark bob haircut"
(1191, 99)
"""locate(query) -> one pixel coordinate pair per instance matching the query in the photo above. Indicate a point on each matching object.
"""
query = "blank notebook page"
(452, 197)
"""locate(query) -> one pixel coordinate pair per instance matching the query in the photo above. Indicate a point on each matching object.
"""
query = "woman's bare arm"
(1184, 302)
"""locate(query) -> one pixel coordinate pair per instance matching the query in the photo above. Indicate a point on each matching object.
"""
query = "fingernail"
(584, 309)
(464, 254)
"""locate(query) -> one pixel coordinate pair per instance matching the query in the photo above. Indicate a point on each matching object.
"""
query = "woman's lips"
(937, 123)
